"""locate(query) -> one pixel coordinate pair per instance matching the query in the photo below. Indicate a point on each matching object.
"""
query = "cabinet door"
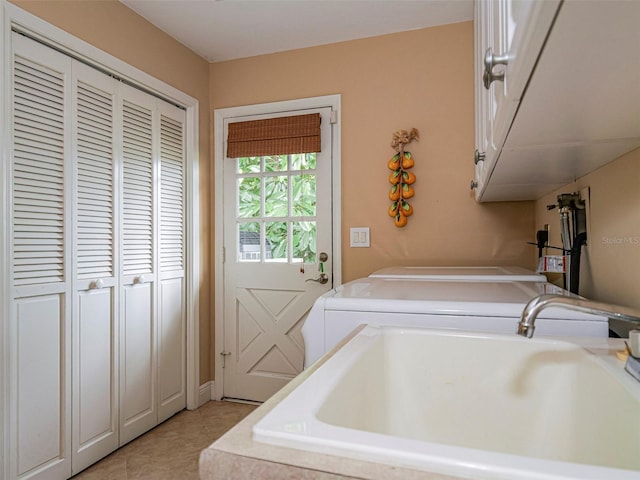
(519, 29)
(39, 327)
(95, 372)
(514, 30)
(138, 336)
(171, 308)
(503, 26)
(484, 113)
(507, 29)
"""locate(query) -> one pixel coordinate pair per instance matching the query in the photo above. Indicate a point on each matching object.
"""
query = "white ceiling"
(220, 30)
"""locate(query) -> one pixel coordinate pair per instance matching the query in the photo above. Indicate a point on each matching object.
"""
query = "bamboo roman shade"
(274, 136)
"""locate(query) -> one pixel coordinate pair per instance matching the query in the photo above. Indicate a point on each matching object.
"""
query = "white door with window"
(278, 249)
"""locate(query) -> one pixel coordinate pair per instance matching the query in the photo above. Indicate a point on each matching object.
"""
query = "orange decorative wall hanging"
(401, 178)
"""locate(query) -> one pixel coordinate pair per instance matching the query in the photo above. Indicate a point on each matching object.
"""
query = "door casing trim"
(222, 114)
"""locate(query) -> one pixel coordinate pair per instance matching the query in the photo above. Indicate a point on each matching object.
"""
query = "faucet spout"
(578, 304)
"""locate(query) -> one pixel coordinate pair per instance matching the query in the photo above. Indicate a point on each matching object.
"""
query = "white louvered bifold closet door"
(97, 263)
(40, 315)
(95, 342)
(138, 335)
(171, 311)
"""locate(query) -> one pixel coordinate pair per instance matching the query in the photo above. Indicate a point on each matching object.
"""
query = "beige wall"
(421, 79)
(610, 267)
(114, 28)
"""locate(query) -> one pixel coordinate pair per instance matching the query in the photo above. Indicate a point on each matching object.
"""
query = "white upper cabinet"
(563, 96)
(509, 37)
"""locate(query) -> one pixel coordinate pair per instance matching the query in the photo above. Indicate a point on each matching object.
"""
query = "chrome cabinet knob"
(478, 157)
(490, 61)
(473, 185)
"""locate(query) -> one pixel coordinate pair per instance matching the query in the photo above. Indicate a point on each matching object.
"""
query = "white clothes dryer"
(445, 304)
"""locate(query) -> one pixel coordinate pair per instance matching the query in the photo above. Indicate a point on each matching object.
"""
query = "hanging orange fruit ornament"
(401, 178)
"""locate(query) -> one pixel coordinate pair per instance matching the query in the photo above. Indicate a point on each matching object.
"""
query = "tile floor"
(171, 450)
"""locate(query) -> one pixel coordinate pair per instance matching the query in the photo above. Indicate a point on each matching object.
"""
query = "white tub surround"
(478, 406)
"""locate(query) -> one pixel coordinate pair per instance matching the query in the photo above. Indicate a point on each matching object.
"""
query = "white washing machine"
(476, 274)
(450, 304)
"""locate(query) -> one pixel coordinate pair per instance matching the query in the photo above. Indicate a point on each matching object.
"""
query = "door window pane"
(249, 242)
(276, 163)
(304, 195)
(303, 161)
(249, 197)
(248, 165)
(276, 201)
(276, 208)
(304, 242)
(276, 241)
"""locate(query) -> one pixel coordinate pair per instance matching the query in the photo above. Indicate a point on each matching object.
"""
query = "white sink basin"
(474, 405)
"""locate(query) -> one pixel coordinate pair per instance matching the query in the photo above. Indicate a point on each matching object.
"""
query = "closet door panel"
(95, 431)
(138, 409)
(40, 324)
(95, 342)
(171, 315)
(42, 449)
(171, 351)
(138, 363)
(40, 147)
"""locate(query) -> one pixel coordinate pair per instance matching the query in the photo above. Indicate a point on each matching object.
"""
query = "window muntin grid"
(276, 208)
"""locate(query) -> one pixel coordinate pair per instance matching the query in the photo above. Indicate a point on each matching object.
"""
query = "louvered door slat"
(137, 208)
(171, 194)
(38, 172)
(34, 181)
(36, 208)
(95, 239)
(46, 112)
(99, 214)
(95, 194)
(137, 185)
(101, 218)
(23, 226)
(93, 158)
(34, 155)
(46, 108)
(42, 80)
(93, 141)
(93, 187)
(32, 137)
(38, 165)
(41, 126)
(135, 202)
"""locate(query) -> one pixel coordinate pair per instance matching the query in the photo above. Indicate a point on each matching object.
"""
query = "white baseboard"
(206, 392)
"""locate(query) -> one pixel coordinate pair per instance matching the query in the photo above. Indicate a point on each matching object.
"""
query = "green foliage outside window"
(294, 175)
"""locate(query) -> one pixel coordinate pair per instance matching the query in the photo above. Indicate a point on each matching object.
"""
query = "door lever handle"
(322, 279)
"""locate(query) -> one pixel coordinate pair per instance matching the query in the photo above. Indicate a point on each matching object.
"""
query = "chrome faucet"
(535, 306)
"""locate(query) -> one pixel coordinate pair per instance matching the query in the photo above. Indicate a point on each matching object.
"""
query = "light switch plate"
(359, 237)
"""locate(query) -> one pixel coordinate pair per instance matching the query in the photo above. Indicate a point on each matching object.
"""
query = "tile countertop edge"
(235, 453)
